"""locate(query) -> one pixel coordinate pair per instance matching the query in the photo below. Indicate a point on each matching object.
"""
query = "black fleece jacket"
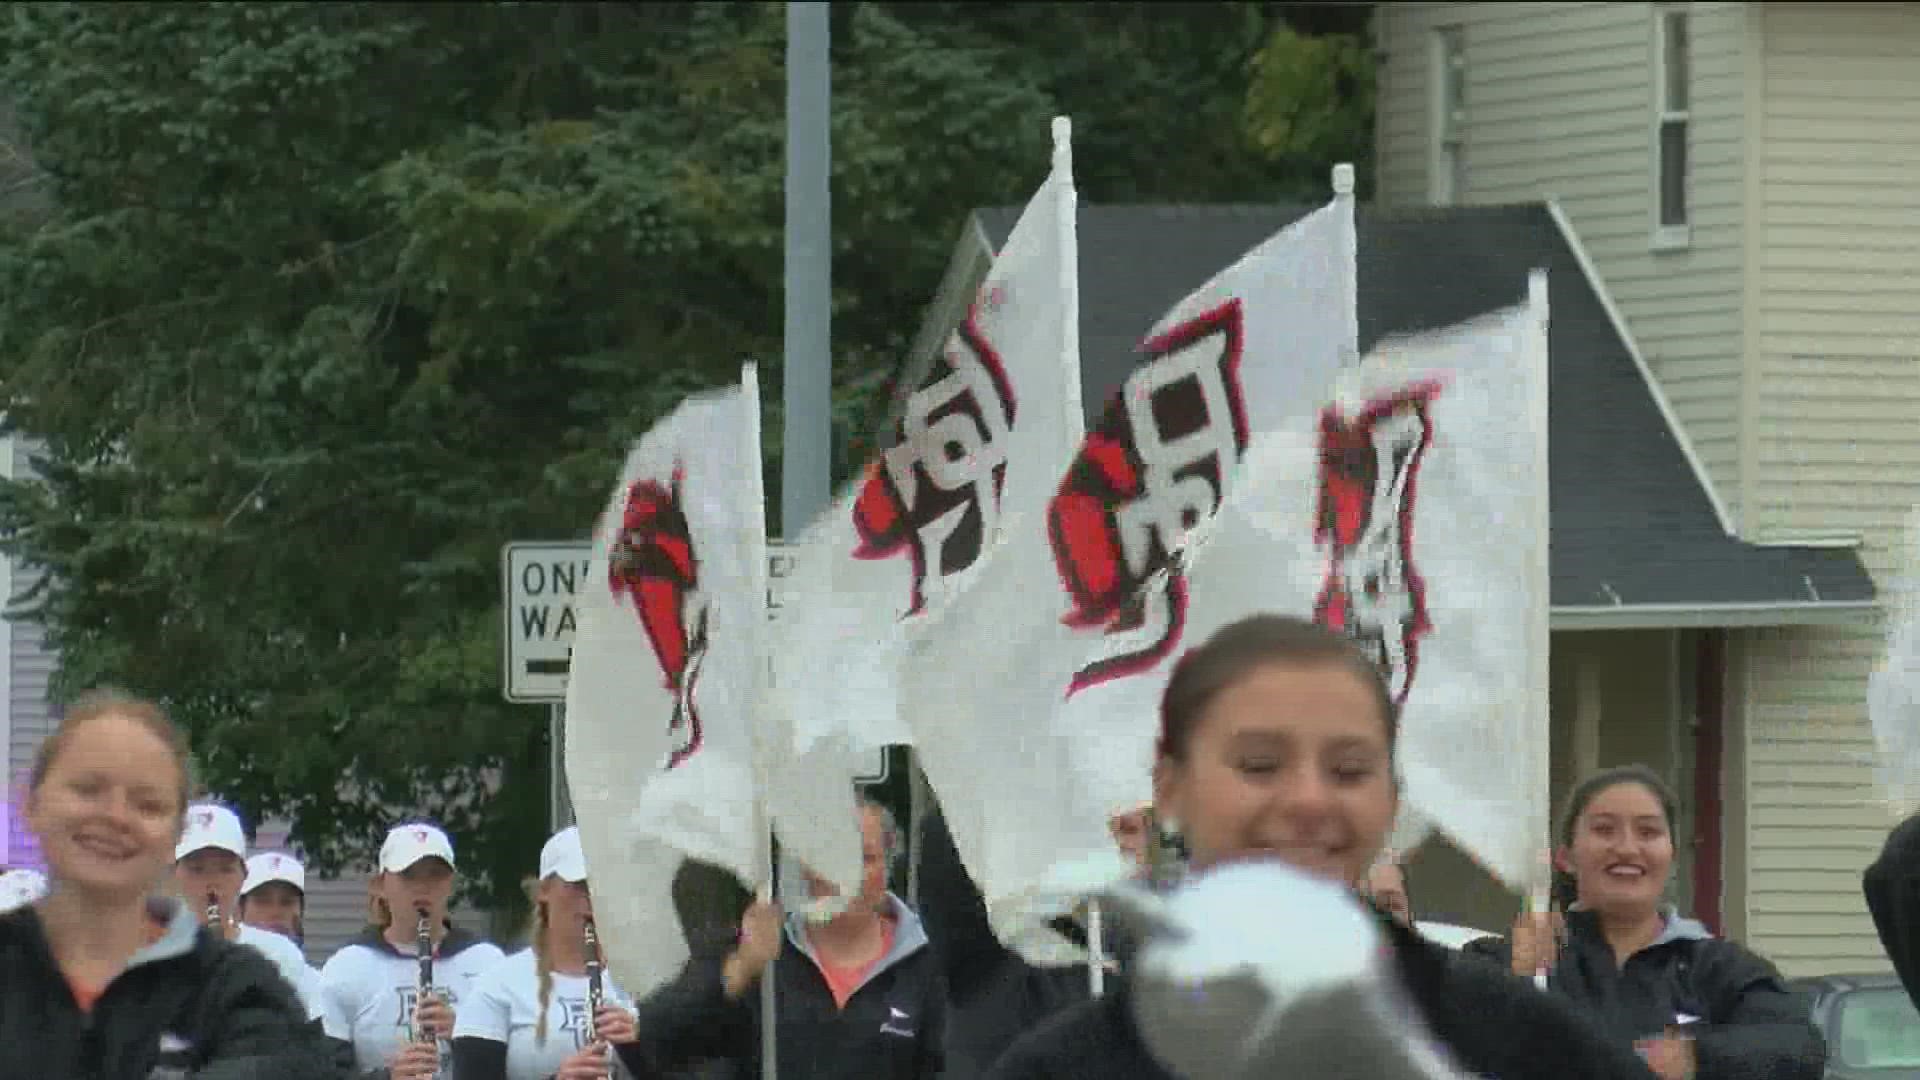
(1744, 1021)
(1493, 1024)
(1892, 888)
(994, 996)
(188, 1005)
(891, 1028)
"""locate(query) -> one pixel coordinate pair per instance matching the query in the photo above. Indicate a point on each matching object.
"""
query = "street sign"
(538, 584)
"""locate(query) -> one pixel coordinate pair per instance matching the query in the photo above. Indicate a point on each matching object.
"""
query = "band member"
(1696, 1006)
(858, 995)
(533, 1015)
(1276, 742)
(993, 994)
(101, 978)
(274, 896)
(209, 868)
(373, 997)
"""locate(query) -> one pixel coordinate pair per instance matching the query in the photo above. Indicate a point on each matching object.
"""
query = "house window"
(1672, 101)
(1448, 72)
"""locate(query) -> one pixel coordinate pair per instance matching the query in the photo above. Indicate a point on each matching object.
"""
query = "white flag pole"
(755, 493)
(1096, 950)
(1540, 583)
(1069, 219)
(1350, 301)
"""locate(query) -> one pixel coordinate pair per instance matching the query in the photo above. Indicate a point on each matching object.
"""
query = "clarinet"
(214, 920)
(596, 991)
(423, 947)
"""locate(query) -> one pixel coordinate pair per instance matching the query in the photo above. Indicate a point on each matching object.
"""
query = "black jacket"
(1892, 887)
(1493, 1024)
(1743, 1019)
(892, 1028)
(188, 1005)
(994, 995)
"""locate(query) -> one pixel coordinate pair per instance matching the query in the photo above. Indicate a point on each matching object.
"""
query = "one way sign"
(539, 587)
(539, 580)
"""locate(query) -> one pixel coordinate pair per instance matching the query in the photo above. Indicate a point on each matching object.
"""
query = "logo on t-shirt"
(577, 1021)
(410, 997)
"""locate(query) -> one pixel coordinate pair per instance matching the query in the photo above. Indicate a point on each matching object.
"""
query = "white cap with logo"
(21, 887)
(270, 866)
(562, 857)
(210, 825)
(408, 844)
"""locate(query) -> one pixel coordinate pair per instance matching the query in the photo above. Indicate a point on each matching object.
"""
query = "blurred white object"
(1450, 935)
(1258, 970)
(1893, 690)
(18, 888)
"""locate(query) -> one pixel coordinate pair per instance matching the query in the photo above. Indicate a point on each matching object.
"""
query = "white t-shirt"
(369, 990)
(503, 1008)
(292, 964)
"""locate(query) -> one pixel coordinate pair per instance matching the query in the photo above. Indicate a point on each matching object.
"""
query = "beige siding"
(1836, 385)
(1559, 103)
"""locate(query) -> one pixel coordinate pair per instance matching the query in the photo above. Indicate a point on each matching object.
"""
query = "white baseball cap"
(18, 888)
(210, 825)
(562, 857)
(408, 844)
(274, 866)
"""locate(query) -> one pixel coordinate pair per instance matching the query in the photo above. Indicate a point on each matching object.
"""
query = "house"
(1656, 602)
(1740, 176)
(24, 675)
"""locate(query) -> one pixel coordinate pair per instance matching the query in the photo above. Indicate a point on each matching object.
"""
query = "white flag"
(1404, 504)
(1409, 510)
(1099, 573)
(666, 758)
(1893, 690)
(982, 440)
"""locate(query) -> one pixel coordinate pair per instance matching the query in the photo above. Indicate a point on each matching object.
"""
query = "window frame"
(1447, 149)
(1672, 235)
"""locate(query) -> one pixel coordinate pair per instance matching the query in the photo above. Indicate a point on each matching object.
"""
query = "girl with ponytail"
(529, 1017)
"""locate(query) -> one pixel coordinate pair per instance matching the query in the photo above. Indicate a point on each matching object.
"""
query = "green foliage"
(1310, 102)
(310, 307)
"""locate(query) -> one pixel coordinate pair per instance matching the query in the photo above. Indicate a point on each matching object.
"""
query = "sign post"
(539, 580)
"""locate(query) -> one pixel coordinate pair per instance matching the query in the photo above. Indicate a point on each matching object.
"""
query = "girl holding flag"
(1695, 1006)
(1277, 742)
(531, 1016)
(859, 994)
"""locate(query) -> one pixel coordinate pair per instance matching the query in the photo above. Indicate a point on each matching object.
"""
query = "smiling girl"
(1695, 1006)
(104, 976)
(1277, 742)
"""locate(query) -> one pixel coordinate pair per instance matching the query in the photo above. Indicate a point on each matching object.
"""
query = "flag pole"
(1096, 950)
(1539, 364)
(1343, 182)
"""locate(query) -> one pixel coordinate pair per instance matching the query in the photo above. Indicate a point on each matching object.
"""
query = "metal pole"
(807, 367)
(559, 803)
(806, 469)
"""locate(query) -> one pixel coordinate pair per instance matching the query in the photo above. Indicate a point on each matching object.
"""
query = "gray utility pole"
(806, 473)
